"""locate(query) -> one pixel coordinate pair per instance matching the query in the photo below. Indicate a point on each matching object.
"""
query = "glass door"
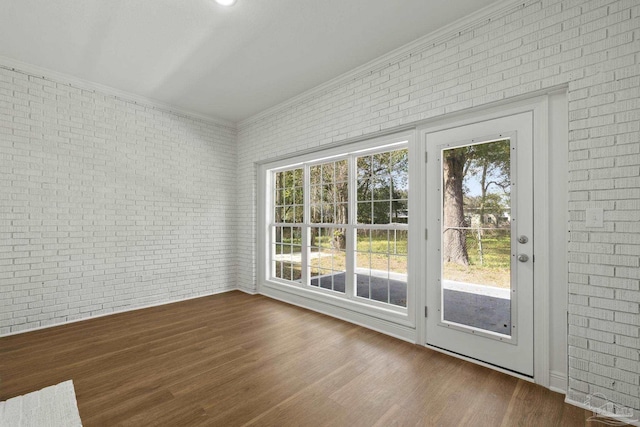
(479, 250)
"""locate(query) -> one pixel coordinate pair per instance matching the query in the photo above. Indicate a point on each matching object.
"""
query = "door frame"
(539, 106)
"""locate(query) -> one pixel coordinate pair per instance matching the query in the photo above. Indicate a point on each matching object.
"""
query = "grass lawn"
(495, 268)
(382, 252)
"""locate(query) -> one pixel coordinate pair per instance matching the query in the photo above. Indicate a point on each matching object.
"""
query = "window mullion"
(306, 230)
(271, 201)
(350, 257)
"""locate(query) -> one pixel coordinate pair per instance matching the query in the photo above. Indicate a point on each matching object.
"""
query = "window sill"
(398, 316)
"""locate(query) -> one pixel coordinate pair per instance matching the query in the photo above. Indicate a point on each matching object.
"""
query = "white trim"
(126, 310)
(558, 213)
(419, 45)
(403, 332)
(330, 152)
(371, 308)
(558, 382)
(78, 83)
(541, 196)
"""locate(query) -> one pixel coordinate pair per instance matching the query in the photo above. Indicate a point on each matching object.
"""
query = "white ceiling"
(228, 63)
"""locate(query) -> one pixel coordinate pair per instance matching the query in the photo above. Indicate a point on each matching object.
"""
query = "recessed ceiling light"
(225, 2)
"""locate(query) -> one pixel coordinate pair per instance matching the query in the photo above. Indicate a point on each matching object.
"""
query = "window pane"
(314, 175)
(381, 266)
(476, 236)
(363, 274)
(327, 261)
(364, 186)
(286, 253)
(381, 211)
(277, 214)
(342, 171)
(384, 179)
(298, 197)
(380, 163)
(363, 242)
(399, 211)
(329, 192)
(288, 194)
(298, 177)
(401, 242)
(327, 171)
(363, 165)
(364, 212)
(382, 186)
(316, 213)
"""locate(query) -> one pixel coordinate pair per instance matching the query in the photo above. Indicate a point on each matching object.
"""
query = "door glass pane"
(476, 236)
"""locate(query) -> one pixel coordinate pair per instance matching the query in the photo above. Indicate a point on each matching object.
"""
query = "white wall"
(106, 204)
(527, 46)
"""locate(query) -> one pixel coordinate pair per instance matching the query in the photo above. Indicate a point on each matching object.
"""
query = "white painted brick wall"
(593, 46)
(107, 205)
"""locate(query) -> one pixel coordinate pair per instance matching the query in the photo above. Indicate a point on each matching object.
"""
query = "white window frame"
(388, 312)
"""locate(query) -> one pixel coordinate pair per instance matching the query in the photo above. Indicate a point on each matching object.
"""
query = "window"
(339, 225)
(288, 213)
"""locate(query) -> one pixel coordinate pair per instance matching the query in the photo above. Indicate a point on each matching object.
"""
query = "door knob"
(523, 239)
(523, 257)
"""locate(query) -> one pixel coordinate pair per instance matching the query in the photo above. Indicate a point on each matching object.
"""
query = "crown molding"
(78, 83)
(421, 44)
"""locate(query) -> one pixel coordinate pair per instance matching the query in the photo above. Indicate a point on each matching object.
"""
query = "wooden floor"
(235, 359)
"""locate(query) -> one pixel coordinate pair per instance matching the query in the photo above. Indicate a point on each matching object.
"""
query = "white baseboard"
(558, 382)
(404, 333)
(142, 307)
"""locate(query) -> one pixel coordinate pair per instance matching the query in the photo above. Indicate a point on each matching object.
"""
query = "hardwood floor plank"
(397, 416)
(234, 359)
(493, 400)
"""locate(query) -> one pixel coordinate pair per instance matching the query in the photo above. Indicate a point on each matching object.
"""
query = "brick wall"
(107, 205)
(593, 47)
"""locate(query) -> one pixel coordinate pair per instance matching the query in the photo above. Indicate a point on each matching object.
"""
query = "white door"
(479, 266)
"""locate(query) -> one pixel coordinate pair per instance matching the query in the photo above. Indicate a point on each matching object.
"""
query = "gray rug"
(53, 406)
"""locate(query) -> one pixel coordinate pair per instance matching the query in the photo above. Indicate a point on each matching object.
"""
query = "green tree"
(491, 162)
(382, 187)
